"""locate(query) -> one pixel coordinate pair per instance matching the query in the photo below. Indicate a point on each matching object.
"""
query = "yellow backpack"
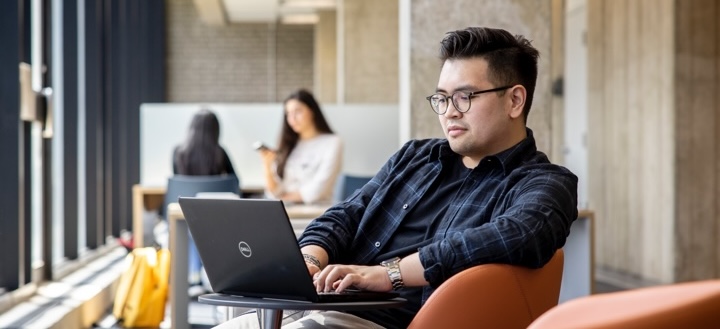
(142, 293)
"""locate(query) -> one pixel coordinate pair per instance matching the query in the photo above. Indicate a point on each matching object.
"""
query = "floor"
(200, 316)
(603, 287)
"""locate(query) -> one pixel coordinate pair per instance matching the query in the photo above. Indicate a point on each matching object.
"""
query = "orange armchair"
(682, 305)
(493, 296)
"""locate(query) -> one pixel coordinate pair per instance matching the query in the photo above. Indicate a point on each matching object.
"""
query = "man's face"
(482, 129)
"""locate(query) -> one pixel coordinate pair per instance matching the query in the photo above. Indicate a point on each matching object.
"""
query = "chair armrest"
(494, 296)
(681, 305)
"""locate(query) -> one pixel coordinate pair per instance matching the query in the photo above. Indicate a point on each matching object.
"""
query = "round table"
(270, 310)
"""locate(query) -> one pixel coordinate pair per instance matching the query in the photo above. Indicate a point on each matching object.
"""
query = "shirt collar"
(514, 156)
(509, 159)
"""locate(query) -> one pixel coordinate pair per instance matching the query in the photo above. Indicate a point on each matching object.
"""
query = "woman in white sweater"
(307, 162)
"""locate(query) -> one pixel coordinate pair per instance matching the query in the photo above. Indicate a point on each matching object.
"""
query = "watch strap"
(393, 269)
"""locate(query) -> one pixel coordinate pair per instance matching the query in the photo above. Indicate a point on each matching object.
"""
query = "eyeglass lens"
(460, 99)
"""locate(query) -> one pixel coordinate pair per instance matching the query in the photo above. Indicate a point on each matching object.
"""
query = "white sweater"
(312, 168)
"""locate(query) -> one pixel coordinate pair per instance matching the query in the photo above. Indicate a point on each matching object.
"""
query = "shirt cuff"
(434, 273)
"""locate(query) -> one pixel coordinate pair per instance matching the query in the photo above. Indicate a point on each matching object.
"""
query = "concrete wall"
(326, 57)
(697, 140)
(630, 124)
(370, 51)
(654, 137)
(429, 20)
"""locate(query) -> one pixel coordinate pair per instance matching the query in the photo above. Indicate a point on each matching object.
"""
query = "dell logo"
(245, 249)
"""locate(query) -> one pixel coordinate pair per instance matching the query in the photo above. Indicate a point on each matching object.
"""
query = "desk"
(300, 216)
(579, 267)
(270, 310)
(146, 198)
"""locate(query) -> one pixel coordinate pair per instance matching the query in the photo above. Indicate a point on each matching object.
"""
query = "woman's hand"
(268, 157)
(341, 277)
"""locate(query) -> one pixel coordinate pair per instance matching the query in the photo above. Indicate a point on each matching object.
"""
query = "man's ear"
(518, 94)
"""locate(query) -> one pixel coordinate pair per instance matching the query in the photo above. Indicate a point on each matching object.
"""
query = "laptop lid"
(248, 248)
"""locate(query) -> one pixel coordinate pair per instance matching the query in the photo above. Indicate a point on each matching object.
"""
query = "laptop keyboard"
(355, 295)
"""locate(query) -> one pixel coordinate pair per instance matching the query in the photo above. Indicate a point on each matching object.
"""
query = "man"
(439, 206)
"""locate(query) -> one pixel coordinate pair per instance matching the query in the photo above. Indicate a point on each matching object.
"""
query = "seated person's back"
(200, 155)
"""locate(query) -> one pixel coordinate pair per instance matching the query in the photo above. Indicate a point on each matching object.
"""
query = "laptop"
(248, 248)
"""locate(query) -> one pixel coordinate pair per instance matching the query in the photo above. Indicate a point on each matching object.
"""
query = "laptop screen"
(248, 247)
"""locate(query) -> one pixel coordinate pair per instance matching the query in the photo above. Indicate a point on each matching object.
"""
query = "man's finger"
(349, 280)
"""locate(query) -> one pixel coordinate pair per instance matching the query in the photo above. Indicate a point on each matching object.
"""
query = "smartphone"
(258, 145)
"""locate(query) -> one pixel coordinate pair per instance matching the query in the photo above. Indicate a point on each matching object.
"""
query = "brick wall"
(249, 62)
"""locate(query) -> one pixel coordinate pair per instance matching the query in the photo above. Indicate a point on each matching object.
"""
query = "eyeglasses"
(460, 99)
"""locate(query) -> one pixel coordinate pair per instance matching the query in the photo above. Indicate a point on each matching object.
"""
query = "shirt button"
(377, 244)
(405, 206)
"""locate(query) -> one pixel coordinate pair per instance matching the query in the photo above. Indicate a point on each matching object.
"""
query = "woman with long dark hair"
(201, 153)
(307, 162)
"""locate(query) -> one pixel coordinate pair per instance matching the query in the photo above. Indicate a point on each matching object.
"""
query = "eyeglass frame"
(470, 96)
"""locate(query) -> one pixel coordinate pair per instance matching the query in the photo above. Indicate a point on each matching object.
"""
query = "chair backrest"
(680, 305)
(190, 186)
(493, 296)
(347, 185)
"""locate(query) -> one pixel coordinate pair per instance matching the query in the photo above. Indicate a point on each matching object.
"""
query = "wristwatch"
(393, 269)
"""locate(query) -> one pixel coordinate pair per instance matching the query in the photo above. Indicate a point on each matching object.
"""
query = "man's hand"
(312, 269)
(313, 264)
(341, 277)
(315, 258)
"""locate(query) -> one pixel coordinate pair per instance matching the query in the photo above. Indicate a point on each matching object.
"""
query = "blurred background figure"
(308, 159)
(200, 155)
